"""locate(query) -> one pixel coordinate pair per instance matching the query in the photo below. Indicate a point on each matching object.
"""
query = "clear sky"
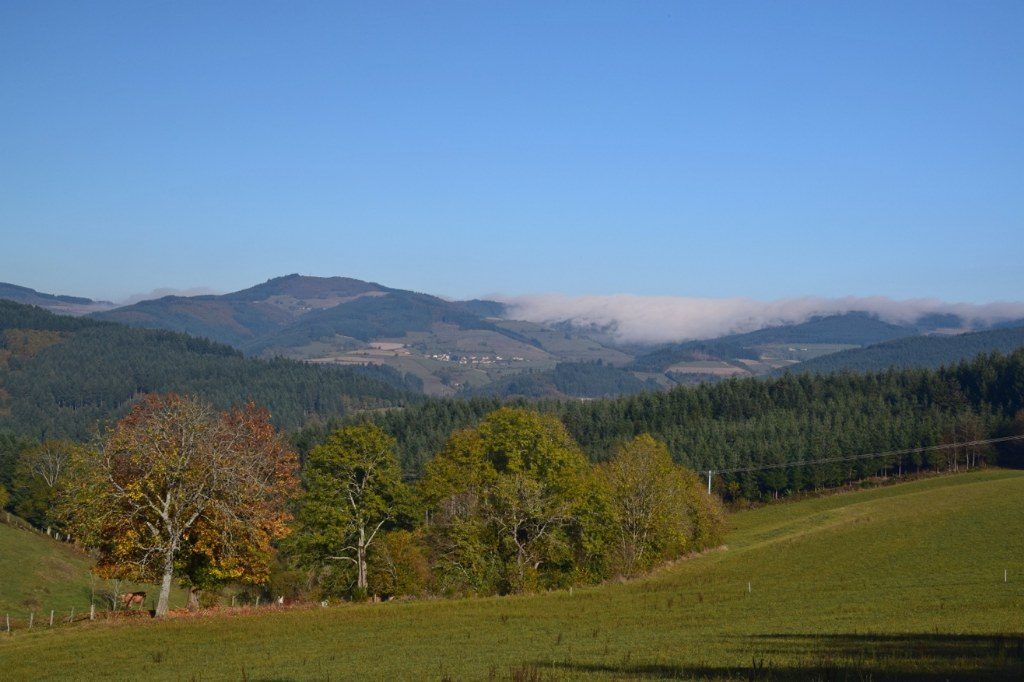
(760, 149)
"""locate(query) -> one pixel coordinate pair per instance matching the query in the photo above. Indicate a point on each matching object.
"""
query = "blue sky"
(708, 149)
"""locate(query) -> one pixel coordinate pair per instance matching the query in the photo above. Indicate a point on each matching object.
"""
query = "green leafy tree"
(660, 508)
(354, 492)
(509, 490)
(38, 475)
(398, 565)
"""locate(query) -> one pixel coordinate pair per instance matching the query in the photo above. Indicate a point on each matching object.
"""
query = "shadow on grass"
(836, 658)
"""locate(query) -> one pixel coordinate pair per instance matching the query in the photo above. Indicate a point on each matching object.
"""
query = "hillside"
(917, 351)
(897, 583)
(243, 317)
(764, 422)
(759, 351)
(59, 375)
(338, 320)
(472, 348)
(41, 574)
(566, 380)
(64, 305)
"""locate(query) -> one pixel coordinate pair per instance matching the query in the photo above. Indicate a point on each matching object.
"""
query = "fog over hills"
(665, 319)
(547, 345)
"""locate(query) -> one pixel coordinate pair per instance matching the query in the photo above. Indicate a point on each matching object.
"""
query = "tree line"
(750, 423)
(179, 491)
(479, 496)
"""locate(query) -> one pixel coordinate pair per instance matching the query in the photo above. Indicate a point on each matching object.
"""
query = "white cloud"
(662, 319)
(161, 292)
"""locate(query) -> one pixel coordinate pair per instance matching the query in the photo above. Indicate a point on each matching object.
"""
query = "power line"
(871, 455)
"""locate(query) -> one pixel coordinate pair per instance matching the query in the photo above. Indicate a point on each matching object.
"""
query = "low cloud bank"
(664, 319)
(160, 293)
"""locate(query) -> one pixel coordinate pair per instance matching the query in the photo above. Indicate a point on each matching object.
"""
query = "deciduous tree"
(178, 486)
(354, 491)
(660, 509)
(509, 489)
(37, 476)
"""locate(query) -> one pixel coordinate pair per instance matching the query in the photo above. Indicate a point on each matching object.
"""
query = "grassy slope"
(904, 582)
(38, 573)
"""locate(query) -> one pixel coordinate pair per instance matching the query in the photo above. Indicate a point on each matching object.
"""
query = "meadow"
(902, 582)
(39, 574)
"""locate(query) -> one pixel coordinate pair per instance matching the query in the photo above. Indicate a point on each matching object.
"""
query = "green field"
(900, 582)
(39, 574)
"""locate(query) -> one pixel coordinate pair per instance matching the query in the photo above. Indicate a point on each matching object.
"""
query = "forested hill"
(854, 328)
(66, 305)
(742, 423)
(566, 380)
(915, 351)
(294, 311)
(59, 375)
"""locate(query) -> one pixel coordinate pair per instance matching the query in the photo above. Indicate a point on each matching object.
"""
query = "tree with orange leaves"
(177, 488)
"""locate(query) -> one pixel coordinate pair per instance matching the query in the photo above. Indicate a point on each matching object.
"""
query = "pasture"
(904, 582)
(39, 574)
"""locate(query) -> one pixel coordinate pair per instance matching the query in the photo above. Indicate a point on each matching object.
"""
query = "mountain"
(474, 348)
(64, 305)
(916, 351)
(764, 350)
(247, 317)
(60, 375)
(449, 345)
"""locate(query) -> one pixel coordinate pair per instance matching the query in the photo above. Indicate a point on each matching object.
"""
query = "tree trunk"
(193, 598)
(165, 588)
(361, 581)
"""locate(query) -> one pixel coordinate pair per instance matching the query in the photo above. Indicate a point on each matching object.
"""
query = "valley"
(475, 347)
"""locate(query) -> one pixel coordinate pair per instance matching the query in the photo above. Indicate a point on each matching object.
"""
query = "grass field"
(903, 582)
(38, 574)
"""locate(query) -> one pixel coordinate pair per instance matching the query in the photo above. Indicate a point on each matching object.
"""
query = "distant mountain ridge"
(921, 352)
(64, 305)
(474, 347)
(294, 310)
(856, 328)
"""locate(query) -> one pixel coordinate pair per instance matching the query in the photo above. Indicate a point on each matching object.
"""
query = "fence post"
(8, 623)
(51, 618)
(31, 619)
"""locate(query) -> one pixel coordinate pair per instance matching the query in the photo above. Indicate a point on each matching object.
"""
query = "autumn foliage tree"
(178, 488)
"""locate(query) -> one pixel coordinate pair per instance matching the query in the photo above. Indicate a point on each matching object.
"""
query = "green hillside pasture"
(903, 582)
(39, 574)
